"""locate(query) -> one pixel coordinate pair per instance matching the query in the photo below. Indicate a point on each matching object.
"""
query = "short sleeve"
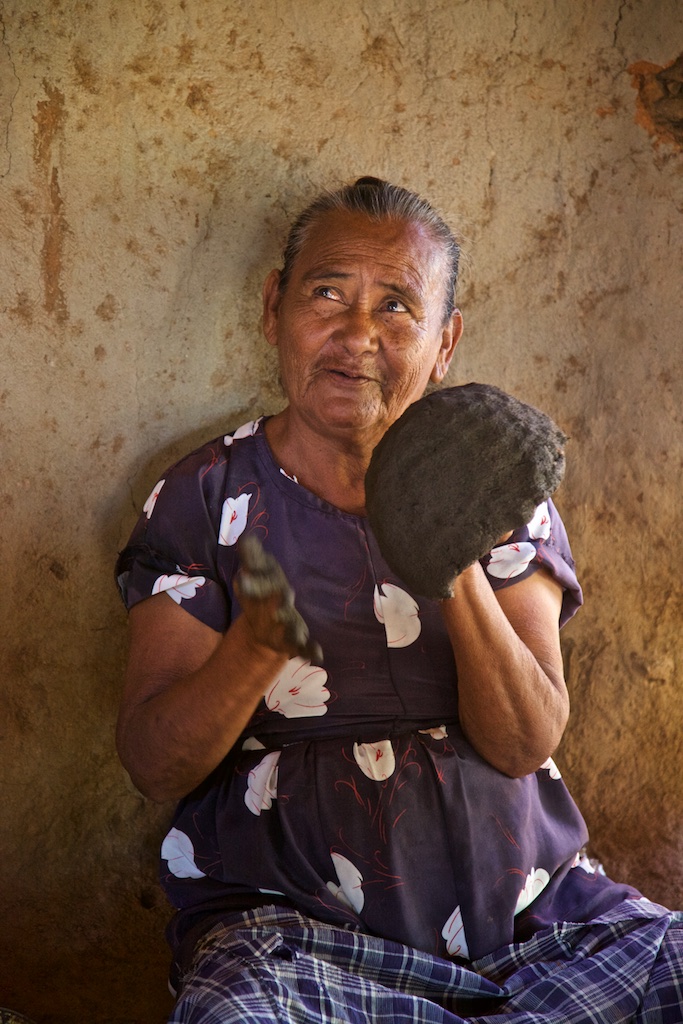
(541, 544)
(173, 548)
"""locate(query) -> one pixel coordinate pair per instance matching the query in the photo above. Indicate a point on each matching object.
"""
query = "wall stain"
(85, 72)
(549, 236)
(588, 302)
(659, 106)
(23, 308)
(381, 53)
(581, 199)
(51, 257)
(305, 69)
(59, 571)
(572, 367)
(185, 50)
(141, 64)
(197, 97)
(49, 118)
(108, 308)
(27, 207)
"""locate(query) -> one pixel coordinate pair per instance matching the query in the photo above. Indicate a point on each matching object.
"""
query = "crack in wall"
(10, 117)
(620, 15)
(489, 199)
(515, 29)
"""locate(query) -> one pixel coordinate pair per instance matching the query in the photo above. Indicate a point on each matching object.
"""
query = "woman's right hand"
(267, 601)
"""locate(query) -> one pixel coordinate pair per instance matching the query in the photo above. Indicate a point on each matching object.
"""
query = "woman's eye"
(395, 306)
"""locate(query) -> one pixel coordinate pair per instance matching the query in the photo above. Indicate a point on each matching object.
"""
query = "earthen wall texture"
(152, 153)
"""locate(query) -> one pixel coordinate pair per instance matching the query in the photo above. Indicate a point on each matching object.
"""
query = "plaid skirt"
(276, 965)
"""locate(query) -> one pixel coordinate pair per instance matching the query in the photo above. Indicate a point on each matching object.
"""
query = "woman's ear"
(450, 336)
(271, 305)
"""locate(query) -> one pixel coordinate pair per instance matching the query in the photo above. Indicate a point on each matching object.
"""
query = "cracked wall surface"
(151, 155)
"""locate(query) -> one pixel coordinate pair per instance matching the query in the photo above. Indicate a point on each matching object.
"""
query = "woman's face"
(359, 327)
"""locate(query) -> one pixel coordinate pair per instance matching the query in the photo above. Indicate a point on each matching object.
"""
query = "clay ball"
(458, 470)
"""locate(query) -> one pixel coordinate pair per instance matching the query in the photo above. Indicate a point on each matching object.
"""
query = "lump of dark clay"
(260, 577)
(459, 469)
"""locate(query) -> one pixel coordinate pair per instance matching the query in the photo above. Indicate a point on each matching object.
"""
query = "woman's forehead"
(340, 238)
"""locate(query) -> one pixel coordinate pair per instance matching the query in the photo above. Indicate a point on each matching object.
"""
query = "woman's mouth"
(350, 377)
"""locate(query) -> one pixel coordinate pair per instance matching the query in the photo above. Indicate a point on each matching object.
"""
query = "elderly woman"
(383, 834)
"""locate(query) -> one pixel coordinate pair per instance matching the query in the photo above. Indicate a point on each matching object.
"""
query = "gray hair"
(378, 200)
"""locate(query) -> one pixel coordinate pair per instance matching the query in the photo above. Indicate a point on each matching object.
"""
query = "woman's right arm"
(189, 691)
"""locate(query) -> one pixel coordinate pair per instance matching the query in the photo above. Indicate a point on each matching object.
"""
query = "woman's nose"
(358, 330)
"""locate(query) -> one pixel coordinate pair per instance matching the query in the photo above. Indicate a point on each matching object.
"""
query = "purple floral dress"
(353, 795)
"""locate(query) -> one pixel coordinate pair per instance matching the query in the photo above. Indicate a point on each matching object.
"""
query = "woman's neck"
(331, 467)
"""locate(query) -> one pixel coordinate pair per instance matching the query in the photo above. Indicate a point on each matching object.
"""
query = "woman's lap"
(625, 966)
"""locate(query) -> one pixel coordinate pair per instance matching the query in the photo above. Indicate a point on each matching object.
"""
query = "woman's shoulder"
(208, 465)
(215, 453)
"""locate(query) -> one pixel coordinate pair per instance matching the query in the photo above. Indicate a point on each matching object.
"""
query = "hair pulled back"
(379, 201)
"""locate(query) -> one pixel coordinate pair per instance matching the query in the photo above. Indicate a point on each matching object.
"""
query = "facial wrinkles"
(376, 359)
(367, 264)
(355, 343)
(361, 292)
(386, 382)
(398, 253)
(369, 271)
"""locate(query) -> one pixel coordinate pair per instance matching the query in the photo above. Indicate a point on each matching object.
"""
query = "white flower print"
(583, 862)
(439, 732)
(349, 891)
(179, 586)
(510, 560)
(233, 519)
(552, 768)
(251, 743)
(299, 690)
(399, 614)
(148, 507)
(375, 760)
(588, 864)
(246, 430)
(262, 784)
(178, 850)
(536, 881)
(454, 934)
(539, 527)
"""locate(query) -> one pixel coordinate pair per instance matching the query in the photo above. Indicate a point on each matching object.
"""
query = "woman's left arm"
(513, 700)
